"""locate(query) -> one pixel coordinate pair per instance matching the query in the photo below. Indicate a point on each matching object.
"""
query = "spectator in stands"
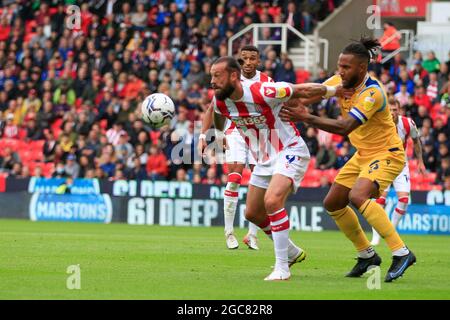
(344, 156)
(431, 64)
(390, 40)
(72, 168)
(402, 96)
(286, 72)
(38, 172)
(8, 159)
(211, 177)
(181, 175)
(311, 141)
(137, 171)
(11, 131)
(326, 156)
(60, 171)
(418, 74)
(157, 168)
(324, 181)
(16, 170)
(443, 171)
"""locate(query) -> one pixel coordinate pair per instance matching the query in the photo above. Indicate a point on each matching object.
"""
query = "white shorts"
(403, 182)
(292, 163)
(238, 151)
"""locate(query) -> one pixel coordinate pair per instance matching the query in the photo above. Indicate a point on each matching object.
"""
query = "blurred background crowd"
(70, 98)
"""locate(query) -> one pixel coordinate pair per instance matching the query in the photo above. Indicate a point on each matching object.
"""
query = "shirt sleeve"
(414, 132)
(369, 102)
(275, 93)
(333, 81)
(214, 105)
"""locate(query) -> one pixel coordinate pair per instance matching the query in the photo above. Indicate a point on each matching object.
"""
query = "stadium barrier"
(185, 204)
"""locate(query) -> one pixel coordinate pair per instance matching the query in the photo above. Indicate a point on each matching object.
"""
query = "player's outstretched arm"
(294, 111)
(317, 90)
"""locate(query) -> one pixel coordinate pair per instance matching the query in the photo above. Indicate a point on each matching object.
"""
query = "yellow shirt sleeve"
(370, 101)
(333, 81)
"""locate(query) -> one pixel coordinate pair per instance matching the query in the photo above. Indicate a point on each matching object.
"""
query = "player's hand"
(421, 167)
(201, 146)
(294, 111)
(342, 92)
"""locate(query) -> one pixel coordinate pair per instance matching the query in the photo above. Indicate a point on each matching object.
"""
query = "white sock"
(293, 250)
(252, 229)
(230, 200)
(280, 232)
(401, 252)
(400, 211)
(367, 253)
(396, 217)
(375, 236)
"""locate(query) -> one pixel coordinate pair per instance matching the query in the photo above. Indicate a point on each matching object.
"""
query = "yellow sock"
(347, 221)
(378, 219)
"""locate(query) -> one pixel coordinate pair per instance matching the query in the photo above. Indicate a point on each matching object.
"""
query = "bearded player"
(282, 155)
(379, 159)
(237, 154)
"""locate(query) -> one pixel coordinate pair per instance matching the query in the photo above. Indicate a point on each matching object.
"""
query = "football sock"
(377, 218)
(399, 211)
(230, 200)
(279, 222)
(252, 229)
(347, 221)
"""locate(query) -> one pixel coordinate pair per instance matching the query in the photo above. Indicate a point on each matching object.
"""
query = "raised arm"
(317, 90)
(299, 112)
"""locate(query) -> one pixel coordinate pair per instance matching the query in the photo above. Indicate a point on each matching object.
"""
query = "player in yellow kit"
(379, 159)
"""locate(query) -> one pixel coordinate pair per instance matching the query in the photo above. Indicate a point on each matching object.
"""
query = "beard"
(224, 93)
(351, 83)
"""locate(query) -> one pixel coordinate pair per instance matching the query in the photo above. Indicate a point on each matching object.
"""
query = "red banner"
(403, 8)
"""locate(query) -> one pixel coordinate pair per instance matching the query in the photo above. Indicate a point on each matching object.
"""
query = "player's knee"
(273, 203)
(357, 199)
(332, 205)
(250, 214)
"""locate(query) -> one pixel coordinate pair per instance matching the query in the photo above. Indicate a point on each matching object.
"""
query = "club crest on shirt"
(368, 103)
(270, 92)
(281, 93)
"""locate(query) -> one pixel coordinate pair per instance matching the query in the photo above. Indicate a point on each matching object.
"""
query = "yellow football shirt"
(368, 105)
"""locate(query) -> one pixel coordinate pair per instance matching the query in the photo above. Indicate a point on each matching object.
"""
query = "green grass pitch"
(120, 261)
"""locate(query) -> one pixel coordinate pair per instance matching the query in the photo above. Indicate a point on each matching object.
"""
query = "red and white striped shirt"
(406, 128)
(259, 77)
(255, 116)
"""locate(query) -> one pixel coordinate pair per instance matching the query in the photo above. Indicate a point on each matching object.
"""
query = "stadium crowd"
(69, 97)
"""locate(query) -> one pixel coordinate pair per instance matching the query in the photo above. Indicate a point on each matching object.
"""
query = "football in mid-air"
(158, 110)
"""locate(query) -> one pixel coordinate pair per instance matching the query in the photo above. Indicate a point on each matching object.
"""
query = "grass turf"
(120, 261)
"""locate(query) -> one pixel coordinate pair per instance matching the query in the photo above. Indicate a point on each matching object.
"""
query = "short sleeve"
(333, 81)
(369, 102)
(414, 132)
(275, 93)
(214, 106)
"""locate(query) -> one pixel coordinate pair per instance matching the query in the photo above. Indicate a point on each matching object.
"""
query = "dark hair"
(231, 63)
(250, 48)
(364, 48)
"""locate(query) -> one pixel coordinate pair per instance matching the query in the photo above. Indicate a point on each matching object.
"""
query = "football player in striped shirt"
(282, 155)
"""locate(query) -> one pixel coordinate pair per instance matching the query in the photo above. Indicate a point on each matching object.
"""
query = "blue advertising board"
(70, 207)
